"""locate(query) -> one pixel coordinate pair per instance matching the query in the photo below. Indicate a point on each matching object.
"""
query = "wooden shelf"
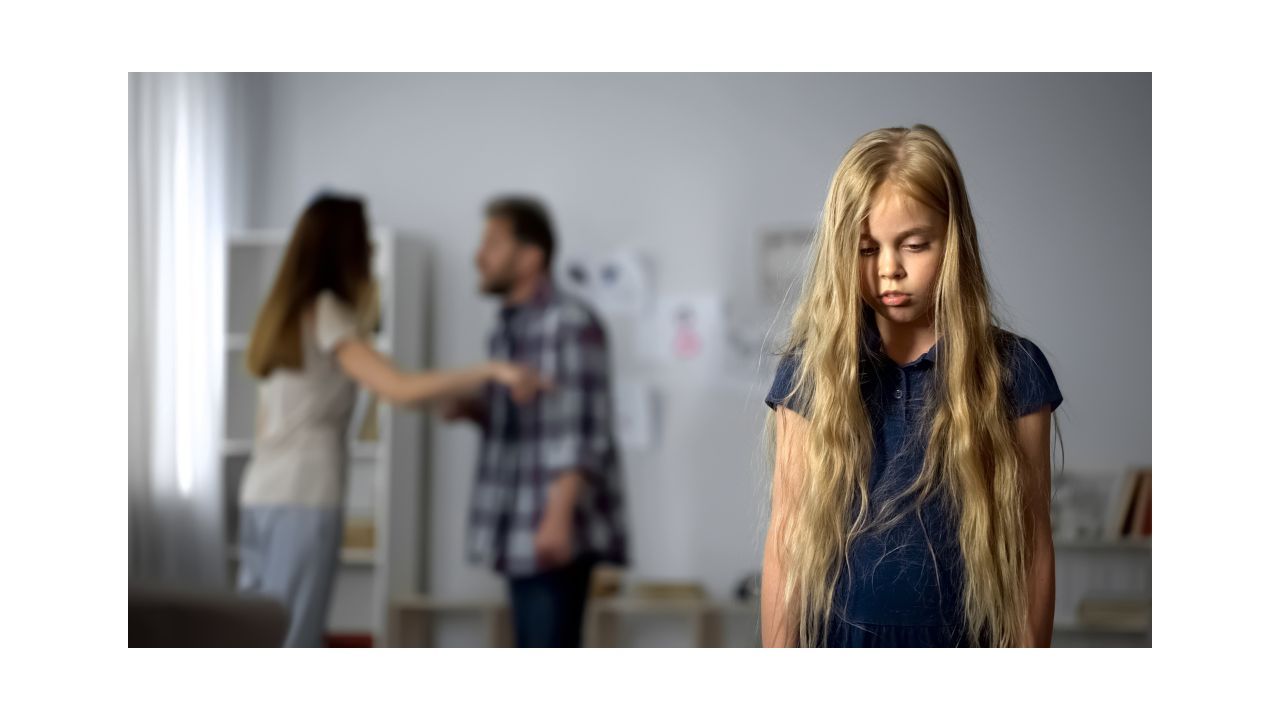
(239, 342)
(435, 604)
(356, 450)
(707, 615)
(1102, 544)
(235, 342)
(258, 238)
(413, 619)
(356, 557)
(639, 605)
(1075, 626)
(359, 557)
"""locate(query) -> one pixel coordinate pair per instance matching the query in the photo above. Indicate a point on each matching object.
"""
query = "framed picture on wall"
(781, 255)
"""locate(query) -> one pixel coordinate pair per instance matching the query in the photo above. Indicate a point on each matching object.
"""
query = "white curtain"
(178, 159)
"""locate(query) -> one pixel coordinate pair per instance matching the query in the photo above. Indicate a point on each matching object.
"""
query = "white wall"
(691, 167)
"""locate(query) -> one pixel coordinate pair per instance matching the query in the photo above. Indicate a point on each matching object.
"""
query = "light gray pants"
(290, 553)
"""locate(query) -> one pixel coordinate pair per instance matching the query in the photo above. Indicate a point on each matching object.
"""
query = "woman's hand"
(523, 382)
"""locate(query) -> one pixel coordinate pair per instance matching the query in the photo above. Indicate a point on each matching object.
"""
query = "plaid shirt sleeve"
(577, 414)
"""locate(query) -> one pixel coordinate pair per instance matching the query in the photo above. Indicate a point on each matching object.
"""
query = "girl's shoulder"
(1028, 376)
(782, 392)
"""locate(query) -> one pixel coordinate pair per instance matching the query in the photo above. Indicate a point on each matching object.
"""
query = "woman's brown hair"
(329, 250)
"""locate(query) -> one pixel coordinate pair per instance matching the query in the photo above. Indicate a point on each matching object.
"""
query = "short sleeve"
(784, 381)
(1031, 384)
(577, 415)
(335, 322)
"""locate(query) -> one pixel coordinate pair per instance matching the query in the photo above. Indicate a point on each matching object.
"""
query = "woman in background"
(309, 349)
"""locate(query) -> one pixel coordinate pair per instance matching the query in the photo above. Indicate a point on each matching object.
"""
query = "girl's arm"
(1033, 436)
(788, 472)
(380, 375)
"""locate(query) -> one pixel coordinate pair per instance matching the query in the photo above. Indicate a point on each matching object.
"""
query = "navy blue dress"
(902, 587)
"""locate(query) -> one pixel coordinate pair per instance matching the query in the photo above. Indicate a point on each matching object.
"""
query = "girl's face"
(899, 254)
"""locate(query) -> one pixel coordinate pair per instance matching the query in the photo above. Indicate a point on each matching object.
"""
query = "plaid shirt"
(527, 447)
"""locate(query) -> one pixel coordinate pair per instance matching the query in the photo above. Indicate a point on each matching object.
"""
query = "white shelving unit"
(385, 477)
(1100, 567)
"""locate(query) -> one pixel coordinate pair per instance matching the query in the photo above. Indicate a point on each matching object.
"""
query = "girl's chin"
(905, 314)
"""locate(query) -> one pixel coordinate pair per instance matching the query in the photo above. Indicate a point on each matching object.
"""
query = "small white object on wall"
(782, 257)
(618, 284)
(635, 416)
(624, 284)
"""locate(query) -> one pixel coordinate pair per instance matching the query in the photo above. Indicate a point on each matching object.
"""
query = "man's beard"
(498, 286)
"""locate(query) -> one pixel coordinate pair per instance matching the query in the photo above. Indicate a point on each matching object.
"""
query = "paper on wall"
(624, 283)
(781, 256)
(688, 333)
(619, 283)
(635, 418)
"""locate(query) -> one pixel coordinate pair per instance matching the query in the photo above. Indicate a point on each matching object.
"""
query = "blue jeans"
(291, 553)
(547, 608)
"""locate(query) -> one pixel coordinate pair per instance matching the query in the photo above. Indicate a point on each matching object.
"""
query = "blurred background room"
(683, 207)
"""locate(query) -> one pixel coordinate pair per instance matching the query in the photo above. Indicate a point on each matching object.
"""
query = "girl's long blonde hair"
(972, 454)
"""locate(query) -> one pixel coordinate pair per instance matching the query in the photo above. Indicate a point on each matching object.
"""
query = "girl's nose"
(890, 268)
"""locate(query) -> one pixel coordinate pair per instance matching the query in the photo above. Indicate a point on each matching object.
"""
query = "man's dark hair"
(529, 221)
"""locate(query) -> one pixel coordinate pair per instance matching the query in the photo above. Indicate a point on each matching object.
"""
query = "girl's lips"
(894, 299)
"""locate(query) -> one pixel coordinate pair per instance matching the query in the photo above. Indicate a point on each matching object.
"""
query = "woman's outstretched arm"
(377, 373)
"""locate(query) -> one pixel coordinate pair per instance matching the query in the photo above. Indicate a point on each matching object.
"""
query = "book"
(363, 428)
(1114, 612)
(1144, 516)
(1142, 513)
(358, 533)
(369, 425)
(1135, 507)
(1120, 507)
(369, 309)
(606, 581)
(669, 590)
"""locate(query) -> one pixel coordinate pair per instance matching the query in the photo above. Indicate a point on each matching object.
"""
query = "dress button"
(898, 393)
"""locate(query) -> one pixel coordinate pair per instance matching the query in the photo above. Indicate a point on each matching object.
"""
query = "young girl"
(309, 348)
(910, 502)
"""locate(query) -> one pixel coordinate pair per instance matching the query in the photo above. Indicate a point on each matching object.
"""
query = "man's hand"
(524, 383)
(553, 543)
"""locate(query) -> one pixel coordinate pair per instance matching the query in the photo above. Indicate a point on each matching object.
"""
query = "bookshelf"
(1100, 567)
(701, 621)
(707, 620)
(386, 470)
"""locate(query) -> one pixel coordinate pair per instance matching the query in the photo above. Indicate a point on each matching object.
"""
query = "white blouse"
(300, 450)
